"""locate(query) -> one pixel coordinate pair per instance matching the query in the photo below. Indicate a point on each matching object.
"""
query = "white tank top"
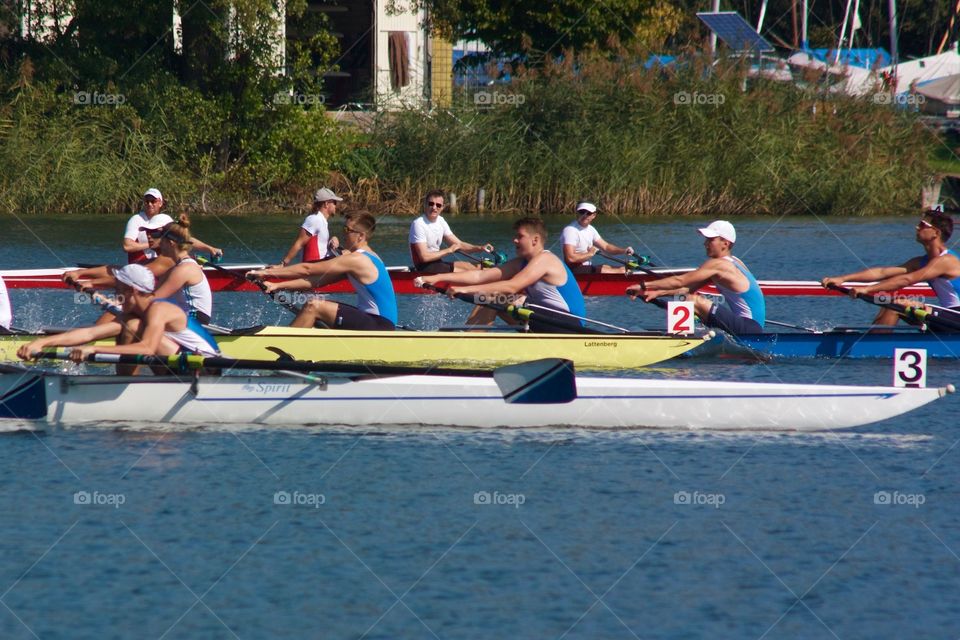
(195, 297)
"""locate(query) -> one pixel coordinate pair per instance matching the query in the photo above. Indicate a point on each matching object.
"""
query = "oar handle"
(485, 263)
(273, 296)
(635, 263)
(97, 298)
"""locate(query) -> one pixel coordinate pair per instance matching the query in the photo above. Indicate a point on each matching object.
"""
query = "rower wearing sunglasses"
(429, 231)
(938, 266)
(376, 302)
(135, 241)
(581, 242)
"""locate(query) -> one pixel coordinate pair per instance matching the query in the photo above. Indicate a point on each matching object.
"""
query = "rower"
(536, 273)
(376, 302)
(938, 266)
(135, 241)
(314, 236)
(161, 327)
(185, 283)
(429, 231)
(745, 310)
(581, 241)
(6, 313)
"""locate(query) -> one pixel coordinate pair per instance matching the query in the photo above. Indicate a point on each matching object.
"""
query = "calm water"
(253, 533)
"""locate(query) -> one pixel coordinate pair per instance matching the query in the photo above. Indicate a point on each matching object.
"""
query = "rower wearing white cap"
(745, 309)
(161, 327)
(314, 235)
(581, 241)
(135, 241)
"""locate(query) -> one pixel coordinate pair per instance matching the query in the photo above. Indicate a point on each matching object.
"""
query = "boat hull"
(594, 284)
(448, 348)
(849, 344)
(601, 403)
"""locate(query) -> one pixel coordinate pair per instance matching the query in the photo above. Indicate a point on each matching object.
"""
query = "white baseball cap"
(136, 276)
(323, 195)
(586, 206)
(719, 228)
(153, 192)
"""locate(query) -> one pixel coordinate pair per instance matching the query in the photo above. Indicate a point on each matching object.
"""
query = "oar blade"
(546, 381)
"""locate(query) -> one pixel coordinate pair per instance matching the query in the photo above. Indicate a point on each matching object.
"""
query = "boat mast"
(763, 12)
(843, 33)
(894, 55)
(713, 34)
(804, 15)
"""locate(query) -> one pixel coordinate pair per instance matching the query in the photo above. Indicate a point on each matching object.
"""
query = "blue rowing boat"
(842, 342)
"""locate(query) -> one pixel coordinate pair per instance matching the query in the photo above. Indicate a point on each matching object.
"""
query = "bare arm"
(70, 338)
(296, 247)
(177, 278)
(515, 280)
(421, 254)
(155, 324)
(935, 268)
(466, 246)
(478, 276)
(200, 245)
(681, 284)
(571, 256)
(873, 273)
(613, 249)
(132, 246)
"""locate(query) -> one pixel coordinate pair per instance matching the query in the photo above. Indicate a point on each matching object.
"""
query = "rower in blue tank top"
(744, 309)
(552, 293)
(938, 266)
(376, 303)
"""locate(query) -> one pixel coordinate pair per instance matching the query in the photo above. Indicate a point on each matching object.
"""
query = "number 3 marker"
(910, 367)
(679, 317)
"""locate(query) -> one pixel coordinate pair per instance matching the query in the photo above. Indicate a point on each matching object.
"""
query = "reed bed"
(697, 140)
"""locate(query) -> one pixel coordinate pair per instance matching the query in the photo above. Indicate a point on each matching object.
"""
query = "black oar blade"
(546, 381)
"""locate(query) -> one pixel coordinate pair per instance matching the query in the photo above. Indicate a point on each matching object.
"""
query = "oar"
(935, 319)
(518, 312)
(573, 316)
(792, 326)
(485, 263)
(97, 298)
(546, 381)
(635, 263)
(289, 306)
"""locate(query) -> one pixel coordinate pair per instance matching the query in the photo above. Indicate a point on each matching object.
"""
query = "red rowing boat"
(230, 278)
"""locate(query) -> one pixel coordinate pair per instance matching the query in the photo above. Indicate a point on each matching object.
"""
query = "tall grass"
(58, 158)
(625, 136)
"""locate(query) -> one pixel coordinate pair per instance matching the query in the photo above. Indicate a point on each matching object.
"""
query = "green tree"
(536, 29)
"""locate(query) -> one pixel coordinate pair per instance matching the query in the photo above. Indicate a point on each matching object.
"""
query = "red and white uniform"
(317, 246)
(133, 232)
(6, 313)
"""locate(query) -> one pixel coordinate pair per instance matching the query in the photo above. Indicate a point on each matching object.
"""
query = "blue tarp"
(865, 58)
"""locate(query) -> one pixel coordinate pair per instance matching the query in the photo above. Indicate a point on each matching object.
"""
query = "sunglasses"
(150, 199)
(351, 230)
(923, 224)
(435, 205)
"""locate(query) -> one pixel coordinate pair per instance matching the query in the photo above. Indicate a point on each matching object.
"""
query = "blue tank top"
(376, 298)
(948, 291)
(748, 304)
(566, 297)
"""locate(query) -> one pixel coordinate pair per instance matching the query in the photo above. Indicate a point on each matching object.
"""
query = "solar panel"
(735, 32)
